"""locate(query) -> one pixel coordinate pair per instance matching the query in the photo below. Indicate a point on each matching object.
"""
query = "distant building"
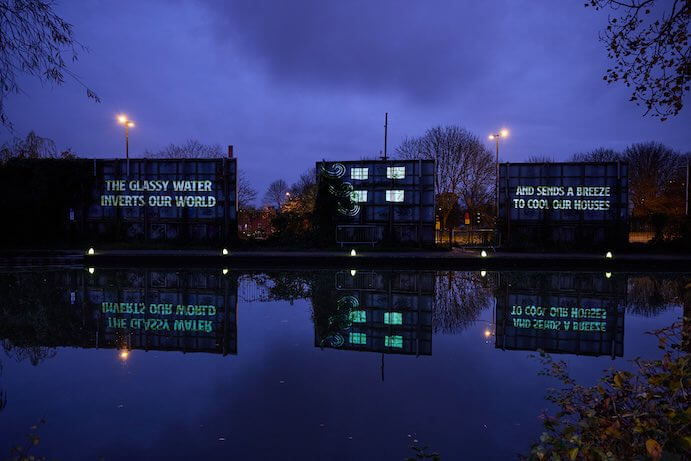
(256, 222)
(391, 201)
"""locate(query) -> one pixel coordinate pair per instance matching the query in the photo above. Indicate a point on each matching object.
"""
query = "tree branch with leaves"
(648, 42)
(34, 40)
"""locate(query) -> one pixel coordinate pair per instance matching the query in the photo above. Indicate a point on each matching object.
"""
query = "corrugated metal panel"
(164, 200)
(563, 204)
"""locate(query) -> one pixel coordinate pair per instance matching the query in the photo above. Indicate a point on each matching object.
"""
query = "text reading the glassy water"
(128, 193)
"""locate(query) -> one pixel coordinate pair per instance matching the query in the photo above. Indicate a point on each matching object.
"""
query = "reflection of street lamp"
(123, 120)
(495, 137)
(124, 354)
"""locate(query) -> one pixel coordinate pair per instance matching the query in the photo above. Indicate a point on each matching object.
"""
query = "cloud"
(419, 50)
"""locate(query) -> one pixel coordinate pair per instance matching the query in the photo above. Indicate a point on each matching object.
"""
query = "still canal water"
(326, 364)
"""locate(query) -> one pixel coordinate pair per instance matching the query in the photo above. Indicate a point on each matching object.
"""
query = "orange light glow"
(124, 354)
(487, 333)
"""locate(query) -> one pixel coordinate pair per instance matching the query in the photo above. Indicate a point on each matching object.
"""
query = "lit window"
(393, 318)
(395, 172)
(359, 173)
(358, 316)
(393, 341)
(359, 195)
(358, 338)
(394, 195)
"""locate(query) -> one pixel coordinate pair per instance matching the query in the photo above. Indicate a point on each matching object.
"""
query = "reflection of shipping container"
(382, 311)
(391, 200)
(561, 312)
(198, 204)
(77, 308)
(201, 305)
(566, 205)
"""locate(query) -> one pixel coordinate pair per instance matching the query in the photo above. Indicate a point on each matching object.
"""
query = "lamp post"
(123, 120)
(495, 137)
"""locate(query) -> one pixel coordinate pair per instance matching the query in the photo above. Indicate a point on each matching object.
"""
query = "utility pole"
(386, 129)
(687, 185)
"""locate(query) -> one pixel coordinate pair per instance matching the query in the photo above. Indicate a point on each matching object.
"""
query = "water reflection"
(270, 345)
(123, 309)
(561, 312)
(376, 311)
(388, 311)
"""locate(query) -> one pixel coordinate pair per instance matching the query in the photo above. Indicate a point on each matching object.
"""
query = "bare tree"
(276, 194)
(191, 148)
(649, 44)
(656, 179)
(601, 154)
(31, 147)
(246, 193)
(303, 193)
(34, 41)
(460, 298)
(464, 166)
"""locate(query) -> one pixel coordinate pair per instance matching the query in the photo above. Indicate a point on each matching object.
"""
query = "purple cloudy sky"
(291, 82)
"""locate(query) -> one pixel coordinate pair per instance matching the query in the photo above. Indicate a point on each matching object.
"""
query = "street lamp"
(123, 120)
(503, 133)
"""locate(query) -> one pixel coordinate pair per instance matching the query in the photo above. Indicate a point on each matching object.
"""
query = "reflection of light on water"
(124, 354)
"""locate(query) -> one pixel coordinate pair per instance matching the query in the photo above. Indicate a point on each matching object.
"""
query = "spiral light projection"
(335, 170)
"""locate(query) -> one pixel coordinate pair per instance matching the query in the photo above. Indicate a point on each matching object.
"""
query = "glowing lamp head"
(90, 251)
(130, 124)
(487, 333)
(353, 252)
(483, 254)
(225, 271)
(225, 252)
(483, 273)
(504, 133)
(608, 274)
(122, 119)
(124, 354)
(91, 270)
(609, 255)
(491, 137)
(353, 272)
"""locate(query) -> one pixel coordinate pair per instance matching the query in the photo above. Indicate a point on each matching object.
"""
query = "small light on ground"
(609, 255)
(225, 271)
(90, 251)
(353, 252)
(483, 273)
(353, 272)
(225, 252)
(608, 274)
(483, 253)
(91, 270)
